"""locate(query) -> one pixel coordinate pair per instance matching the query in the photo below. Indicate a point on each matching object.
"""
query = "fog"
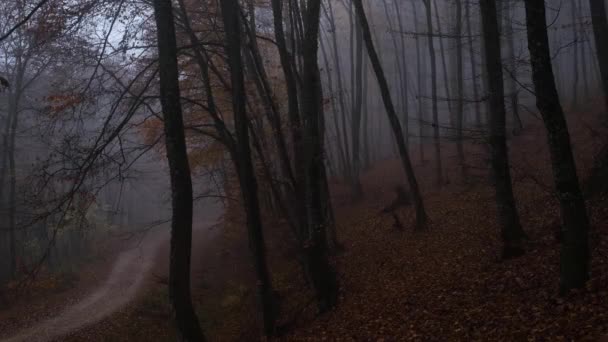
(121, 120)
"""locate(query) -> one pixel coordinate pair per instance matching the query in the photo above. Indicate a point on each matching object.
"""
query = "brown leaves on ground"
(448, 283)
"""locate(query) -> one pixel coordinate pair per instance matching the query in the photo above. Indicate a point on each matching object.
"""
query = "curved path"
(123, 283)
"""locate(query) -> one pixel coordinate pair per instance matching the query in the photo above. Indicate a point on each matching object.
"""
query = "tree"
(473, 63)
(188, 327)
(323, 275)
(600, 34)
(357, 110)
(243, 162)
(436, 135)
(421, 218)
(574, 260)
(512, 66)
(508, 218)
(459, 90)
(420, 65)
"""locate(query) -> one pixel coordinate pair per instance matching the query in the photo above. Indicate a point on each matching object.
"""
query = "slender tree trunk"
(338, 66)
(436, 135)
(574, 270)
(402, 89)
(12, 203)
(584, 42)
(323, 275)
(289, 73)
(574, 18)
(512, 67)
(404, 78)
(421, 217)
(444, 65)
(420, 83)
(508, 218)
(473, 64)
(600, 33)
(460, 91)
(13, 113)
(558, 76)
(366, 116)
(330, 83)
(249, 189)
(265, 90)
(188, 327)
(356, 116)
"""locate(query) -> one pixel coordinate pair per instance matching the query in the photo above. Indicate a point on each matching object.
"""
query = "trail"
(125, 280)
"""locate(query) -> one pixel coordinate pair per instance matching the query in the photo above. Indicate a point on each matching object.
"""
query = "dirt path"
(126, 279)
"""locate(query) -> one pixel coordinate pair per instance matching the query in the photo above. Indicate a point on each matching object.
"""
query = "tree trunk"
(188, 327)
(323, 275)
(584, 60)
(243, 162)
(421, 85)
(574, 18)
(405, 93)
(600, 33)
(356, 116)
(512, 67)
(402, 89)
(460, 92)
(330, 83)
(366, 117)
(436, 135)
(338, 66)
(574, 271)
(476, 98)
(508, 218)
(444, 64)
(289, 73)
(421, 217)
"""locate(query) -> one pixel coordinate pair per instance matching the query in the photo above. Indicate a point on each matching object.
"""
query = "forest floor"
(447, 283)
(444, 283)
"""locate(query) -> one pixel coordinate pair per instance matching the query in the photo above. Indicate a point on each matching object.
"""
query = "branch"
(24, 20)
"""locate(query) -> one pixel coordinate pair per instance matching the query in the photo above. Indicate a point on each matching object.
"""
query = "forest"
(303, 170)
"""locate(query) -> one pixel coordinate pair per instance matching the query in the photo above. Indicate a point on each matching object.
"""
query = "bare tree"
(508, 218)
(600, 33)
(574, 271)
(188, 326)
(323, 275)
(421, 218)
(436, 135)
(248, 184)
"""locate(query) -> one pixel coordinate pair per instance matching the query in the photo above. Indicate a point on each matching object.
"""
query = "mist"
(243, 170)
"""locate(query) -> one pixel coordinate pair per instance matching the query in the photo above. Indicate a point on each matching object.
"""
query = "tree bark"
(421, 217)
(421, 85)
(600, 34)
(404, 79)
(356, 116)
(473, 64)
(187, 324)
(508, 218)
(444, 64)
(330, 83)
(574, 269)
(460, 92)
(289, 72)
(323, 275)
(436, 135)
(573, 18)
(512, 67)
(243, 162)
(584, 43)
